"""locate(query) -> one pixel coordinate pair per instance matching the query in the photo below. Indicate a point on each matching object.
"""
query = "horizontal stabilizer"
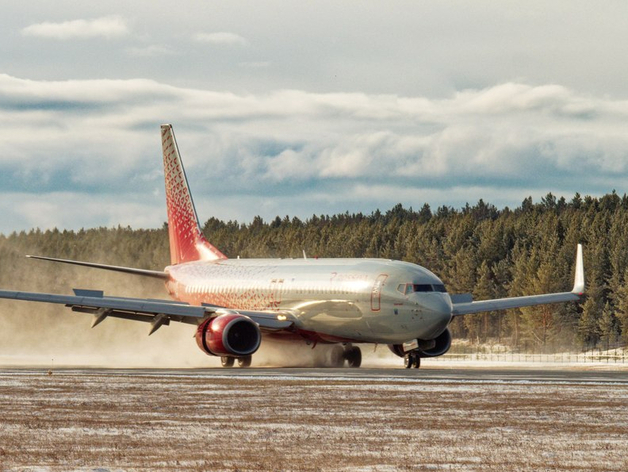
(159, 274)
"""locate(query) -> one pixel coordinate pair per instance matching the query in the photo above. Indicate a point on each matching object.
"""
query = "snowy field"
(192, 420)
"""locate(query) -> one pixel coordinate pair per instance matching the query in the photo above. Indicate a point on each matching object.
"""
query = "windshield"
(411, 288)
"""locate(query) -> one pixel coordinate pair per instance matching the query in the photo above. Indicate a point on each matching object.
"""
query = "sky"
(301, 108)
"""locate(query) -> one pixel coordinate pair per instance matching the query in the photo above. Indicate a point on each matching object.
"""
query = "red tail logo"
(187, 242)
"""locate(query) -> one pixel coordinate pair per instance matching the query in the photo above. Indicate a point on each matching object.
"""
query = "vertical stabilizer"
(187, 242)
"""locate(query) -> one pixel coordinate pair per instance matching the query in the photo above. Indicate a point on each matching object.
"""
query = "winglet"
(578, 285)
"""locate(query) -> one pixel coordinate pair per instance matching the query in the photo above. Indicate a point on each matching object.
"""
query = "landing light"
(282, 317)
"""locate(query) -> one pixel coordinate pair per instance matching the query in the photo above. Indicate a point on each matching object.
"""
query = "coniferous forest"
(480, 249)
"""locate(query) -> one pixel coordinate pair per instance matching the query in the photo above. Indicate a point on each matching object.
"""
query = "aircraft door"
(376, 292)
(276, 290)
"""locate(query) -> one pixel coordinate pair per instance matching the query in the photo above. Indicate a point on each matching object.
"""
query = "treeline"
(479, 249)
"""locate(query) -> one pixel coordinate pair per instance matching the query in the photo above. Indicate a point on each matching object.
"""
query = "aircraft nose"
(437, 305)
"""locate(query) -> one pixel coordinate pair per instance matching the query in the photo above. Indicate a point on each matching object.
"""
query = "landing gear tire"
(412, 360)
(353, 355)
(337, 356)
(227, 361)
(245, 361)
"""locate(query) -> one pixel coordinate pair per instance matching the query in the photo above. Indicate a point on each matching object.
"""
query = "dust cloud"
(284, 354)
(40, 334)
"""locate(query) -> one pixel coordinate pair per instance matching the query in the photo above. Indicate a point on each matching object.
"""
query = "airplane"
(235, 304)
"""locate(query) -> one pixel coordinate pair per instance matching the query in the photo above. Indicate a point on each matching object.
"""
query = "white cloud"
(72, 210)
(107, 27)
(154, 50)
(296, 152)
(221, 38)
(256, 64)
(330, 46)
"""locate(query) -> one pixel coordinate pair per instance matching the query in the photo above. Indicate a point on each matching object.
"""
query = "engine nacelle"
(441, 345)
(229, 335)
(397, 349)
(430, 348)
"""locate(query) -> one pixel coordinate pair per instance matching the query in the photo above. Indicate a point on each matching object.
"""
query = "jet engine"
(430, 348)
(229, 335)
(441, 345)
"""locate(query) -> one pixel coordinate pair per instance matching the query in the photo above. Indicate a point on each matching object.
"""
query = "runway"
(435, 374)
(314, 419)
(432, 374)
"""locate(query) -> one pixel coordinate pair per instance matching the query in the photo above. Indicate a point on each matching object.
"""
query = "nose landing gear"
(412, 359)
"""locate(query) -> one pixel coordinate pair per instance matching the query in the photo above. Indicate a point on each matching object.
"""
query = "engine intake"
(427, 348)
(228, 335)
(441, 345)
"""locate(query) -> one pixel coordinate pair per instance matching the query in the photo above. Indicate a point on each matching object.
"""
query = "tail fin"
(187, 242)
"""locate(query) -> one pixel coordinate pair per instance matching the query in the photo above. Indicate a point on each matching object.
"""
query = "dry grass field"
(126, 420)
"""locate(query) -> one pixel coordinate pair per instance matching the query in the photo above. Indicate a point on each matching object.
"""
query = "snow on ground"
(110, 420)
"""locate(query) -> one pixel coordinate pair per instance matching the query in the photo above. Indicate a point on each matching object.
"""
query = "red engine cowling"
(229, 335)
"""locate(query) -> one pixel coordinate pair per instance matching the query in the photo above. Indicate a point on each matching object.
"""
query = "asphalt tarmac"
(458, 375)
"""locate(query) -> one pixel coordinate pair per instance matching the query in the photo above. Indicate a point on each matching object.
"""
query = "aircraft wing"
(156, 312)
(467, 308)
(515, 302)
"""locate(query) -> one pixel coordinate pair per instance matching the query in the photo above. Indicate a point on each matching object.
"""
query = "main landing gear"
(412, 359)
(227, 361)
(338, 355)
(353, 355)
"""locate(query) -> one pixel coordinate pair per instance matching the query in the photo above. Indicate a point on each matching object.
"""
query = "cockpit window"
(422, 288)
(410, 288)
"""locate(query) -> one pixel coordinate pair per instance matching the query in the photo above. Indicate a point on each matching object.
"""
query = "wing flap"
(130, 305)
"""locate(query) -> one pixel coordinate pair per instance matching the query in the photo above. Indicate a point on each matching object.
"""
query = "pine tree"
(621, 303)
(588, 326)
(607, 326)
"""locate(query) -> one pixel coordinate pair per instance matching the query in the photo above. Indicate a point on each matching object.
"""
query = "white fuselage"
(352, 300)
